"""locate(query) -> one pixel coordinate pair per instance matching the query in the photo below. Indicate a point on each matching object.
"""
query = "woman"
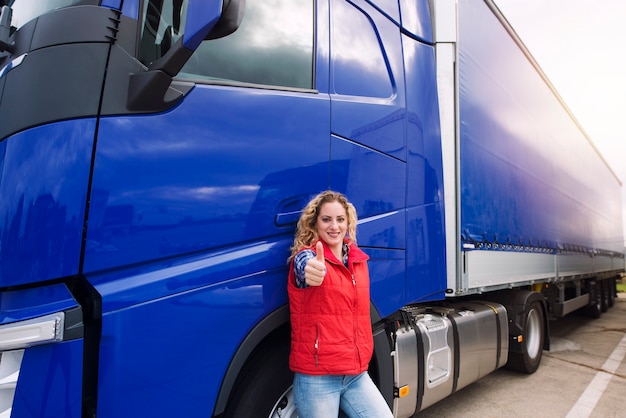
(331, 331)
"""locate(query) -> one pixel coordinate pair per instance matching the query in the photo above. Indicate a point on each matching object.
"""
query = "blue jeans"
(323, 396)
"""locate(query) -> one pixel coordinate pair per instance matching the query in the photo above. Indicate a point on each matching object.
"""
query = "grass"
(621, 287)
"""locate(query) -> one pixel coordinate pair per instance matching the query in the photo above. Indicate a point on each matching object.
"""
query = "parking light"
(23, 334)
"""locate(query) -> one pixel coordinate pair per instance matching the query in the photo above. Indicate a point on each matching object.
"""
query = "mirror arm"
(150, 90)
(173, 61)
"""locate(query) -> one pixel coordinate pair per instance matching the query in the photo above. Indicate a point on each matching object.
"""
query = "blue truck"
(155, 156)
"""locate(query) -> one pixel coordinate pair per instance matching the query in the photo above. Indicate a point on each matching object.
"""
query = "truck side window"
(273, 46)
(162, 26)
(359, 67)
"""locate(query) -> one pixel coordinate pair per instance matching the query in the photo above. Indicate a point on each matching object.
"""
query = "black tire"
(594, 309)
(528, 360)
(604, 292)
(612, 291)
(264, 386)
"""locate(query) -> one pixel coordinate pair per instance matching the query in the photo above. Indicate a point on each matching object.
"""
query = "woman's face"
(332, 224)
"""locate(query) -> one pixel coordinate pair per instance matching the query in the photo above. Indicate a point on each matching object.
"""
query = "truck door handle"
(286, 218)
(288, 211)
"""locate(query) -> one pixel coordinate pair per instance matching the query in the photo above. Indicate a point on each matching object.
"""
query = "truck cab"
(155, 158)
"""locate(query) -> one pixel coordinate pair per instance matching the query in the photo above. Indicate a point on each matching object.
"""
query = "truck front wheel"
(528, 359)
(264, 387)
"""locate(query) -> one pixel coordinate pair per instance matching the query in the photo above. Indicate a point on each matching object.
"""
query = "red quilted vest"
(331, 329)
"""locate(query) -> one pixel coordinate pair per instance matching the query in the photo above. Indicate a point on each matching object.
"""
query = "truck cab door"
(219, 175)
(368, 142)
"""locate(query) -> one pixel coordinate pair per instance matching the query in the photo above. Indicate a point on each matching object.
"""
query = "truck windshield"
(26, 10)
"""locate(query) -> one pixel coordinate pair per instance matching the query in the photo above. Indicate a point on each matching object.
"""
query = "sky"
(580, 45)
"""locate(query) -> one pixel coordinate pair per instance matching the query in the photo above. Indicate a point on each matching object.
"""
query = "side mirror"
(232, 15)
(206, 19)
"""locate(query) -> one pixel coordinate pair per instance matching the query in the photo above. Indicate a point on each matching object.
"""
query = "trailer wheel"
(264, 387)
(594, 309)
(528, 360)
(611, 283)
(604, 292)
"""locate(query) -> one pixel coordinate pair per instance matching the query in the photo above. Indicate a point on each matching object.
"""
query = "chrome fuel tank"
(440, 350)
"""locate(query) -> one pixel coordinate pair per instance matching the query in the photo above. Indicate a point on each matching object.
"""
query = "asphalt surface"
(583, 375)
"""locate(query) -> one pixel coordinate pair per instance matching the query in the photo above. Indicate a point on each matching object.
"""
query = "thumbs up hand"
(315, 269)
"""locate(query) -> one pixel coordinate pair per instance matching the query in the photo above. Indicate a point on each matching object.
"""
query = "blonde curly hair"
(306, 231)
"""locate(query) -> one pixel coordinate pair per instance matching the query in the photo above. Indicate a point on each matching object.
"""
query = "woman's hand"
(315, 269)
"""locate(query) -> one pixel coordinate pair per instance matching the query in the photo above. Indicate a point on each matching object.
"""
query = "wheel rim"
(533, 336)
(285, 407)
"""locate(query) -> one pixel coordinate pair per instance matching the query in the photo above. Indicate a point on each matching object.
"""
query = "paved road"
(583, 375)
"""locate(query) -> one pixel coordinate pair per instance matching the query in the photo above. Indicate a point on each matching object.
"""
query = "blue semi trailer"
(156, 154)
